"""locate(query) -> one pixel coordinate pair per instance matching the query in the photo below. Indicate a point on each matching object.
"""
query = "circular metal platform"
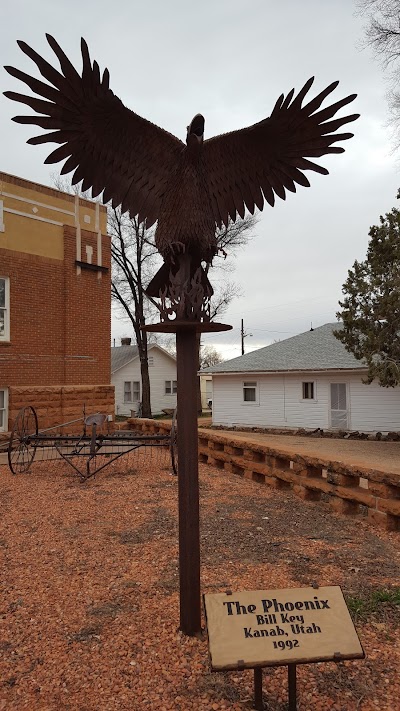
(198, 326)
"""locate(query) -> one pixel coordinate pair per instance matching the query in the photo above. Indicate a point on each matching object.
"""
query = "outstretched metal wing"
(245, 167)
(112, 149)
(130, 160)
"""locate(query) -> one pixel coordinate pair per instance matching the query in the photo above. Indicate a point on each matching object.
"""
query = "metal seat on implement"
(96, 419)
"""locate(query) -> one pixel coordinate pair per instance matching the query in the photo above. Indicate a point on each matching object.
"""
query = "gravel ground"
(89, 591)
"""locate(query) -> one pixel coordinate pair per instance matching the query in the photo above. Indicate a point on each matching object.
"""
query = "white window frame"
(347, 411)
(134, 388)
(170, 387)
(127, 391)
(6, 336)
(4, 410)
(251, 385)
(314, 388)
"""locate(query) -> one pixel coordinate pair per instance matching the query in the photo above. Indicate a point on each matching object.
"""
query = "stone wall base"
(55, 405)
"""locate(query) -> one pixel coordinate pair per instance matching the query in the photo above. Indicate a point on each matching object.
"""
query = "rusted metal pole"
(188, 482)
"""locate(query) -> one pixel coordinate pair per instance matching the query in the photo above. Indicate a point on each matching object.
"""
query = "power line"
(243, 335)
(286, 303)
(265, 330)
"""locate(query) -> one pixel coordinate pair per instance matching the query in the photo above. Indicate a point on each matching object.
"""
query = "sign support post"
(292, 687)
(258, 701)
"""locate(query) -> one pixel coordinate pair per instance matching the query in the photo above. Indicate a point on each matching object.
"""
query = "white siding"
(131, 372)
(374, 408)
(371, 408)
(163, 368)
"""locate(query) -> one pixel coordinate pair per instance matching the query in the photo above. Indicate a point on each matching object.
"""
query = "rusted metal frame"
(78, 471)
(68, 457)
(64, 424)
(106, 464)
(80, 445)
(41, 441)
(25, 426)
(121, 454)
(96, 443)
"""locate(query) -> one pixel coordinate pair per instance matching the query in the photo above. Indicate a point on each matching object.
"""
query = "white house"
(126, 378)
(308, 381)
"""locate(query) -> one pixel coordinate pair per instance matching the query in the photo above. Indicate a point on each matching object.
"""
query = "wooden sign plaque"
(275, 627)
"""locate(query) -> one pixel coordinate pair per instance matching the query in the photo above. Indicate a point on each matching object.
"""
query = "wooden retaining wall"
(349, 490)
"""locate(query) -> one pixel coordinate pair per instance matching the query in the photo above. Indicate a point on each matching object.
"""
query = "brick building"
(55, 316)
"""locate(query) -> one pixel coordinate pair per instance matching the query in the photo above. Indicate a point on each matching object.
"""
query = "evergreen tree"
(371, 305)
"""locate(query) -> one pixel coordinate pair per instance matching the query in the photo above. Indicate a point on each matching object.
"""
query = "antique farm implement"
(96, 446)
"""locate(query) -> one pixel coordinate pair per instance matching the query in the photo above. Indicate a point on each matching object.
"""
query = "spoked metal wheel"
(23, 441)
(174, 444)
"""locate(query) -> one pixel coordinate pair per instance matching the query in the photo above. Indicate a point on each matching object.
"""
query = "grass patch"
(381, 604)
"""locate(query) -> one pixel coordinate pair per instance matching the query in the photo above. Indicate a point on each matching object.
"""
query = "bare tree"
(134, 258)
(382, 34)
(230, 239)
(209, 356)
(65, 186)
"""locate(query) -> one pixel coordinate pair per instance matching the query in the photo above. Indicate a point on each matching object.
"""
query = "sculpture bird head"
(195, 131)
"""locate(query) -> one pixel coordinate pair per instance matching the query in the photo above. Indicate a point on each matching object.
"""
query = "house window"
(339, 414)
(308, 391)
(170, 387)
(3, 410)
(127, 391)
(132, 391)
(136, 391)
(4, 309)
(250, 392)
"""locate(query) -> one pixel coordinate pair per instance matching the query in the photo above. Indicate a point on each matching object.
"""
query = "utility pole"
(243, 335)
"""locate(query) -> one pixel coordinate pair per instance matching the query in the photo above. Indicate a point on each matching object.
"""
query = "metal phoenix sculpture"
(190, 190)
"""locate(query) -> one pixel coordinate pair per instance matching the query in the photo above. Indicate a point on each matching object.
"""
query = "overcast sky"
(230, 60)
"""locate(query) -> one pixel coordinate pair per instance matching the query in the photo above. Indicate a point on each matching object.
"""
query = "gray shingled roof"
(312, 350)
(121, 355)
